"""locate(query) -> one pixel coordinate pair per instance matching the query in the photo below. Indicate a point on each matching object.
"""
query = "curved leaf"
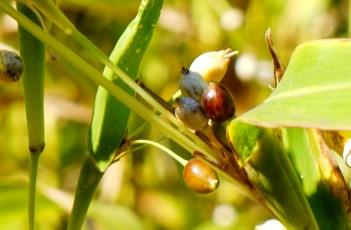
(314, 92)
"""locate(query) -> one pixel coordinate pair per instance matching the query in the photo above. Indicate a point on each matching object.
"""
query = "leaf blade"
(315, 91)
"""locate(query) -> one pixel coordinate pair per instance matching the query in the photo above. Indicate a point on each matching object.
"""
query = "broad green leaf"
(314, 92)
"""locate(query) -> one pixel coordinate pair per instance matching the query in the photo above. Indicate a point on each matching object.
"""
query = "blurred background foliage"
(145, 189)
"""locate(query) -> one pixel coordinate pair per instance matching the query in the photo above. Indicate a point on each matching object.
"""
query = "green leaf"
(243, 137)
(110, 115)
(314, 92)
(272, 174)
(322, 182)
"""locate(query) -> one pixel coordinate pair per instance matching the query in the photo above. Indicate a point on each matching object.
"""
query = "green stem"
(33, 55)
(163, 148)
(89, 179)
(143, 111)
(33, 168)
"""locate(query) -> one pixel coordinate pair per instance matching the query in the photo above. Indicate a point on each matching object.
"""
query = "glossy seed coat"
(199, 177)
(217, 103)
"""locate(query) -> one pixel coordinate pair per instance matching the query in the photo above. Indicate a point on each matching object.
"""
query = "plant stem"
(89, 178)
(33, 55)
(33, 168)
(163, 148)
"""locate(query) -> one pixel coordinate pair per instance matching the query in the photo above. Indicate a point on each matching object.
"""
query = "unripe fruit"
(217, 103)
(192, 85)
(190, 113)
(212, 65)
(199, 177)
(11, 66)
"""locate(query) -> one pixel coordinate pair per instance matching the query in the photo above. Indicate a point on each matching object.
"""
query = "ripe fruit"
(199, 177)
(212, 65)
(11, 66)
(217, 103)
(192, 85)
(190, 113)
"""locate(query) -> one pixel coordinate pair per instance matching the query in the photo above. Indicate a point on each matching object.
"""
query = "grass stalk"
(89, 178)
(33, 171)
(33, 55)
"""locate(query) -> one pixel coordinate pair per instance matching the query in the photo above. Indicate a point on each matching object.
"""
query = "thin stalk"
(33, 168)
(89, 178)
(163, 148)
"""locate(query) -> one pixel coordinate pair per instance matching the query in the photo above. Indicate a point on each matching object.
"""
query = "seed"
(11, 66)
(199, 177)
(192, 85)
(212, 65)
(190, 113)
(217, 103)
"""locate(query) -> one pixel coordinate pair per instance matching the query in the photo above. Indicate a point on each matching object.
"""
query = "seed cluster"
(203, 99)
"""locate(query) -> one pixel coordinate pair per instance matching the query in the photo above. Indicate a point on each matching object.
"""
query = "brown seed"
(217, 103)
(199, 177)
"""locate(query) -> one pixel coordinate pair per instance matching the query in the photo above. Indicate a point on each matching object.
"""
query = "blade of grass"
(110, 116)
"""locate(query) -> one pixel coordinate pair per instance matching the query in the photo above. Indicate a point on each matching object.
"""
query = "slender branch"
(163, 148)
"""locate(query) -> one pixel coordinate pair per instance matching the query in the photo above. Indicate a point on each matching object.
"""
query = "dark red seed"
(199, 177)
(217, 103)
